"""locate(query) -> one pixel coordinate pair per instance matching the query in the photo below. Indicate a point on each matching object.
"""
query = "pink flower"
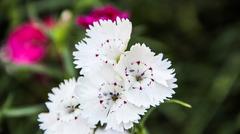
(106, 12)
(26, 44)
(49, 21)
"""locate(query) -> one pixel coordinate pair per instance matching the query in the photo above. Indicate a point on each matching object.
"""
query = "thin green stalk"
(141, 130)
(68, 62)
(133, 130)
(184, 104)
(145, 117)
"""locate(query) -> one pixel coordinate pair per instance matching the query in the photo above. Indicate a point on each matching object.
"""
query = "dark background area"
(200, 37)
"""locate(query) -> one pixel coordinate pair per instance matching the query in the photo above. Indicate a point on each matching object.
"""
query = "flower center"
(117, 58)
(72, 108)
(139, 75)
(110, 93)
(114, 96)
(138, 78)
(110, 51)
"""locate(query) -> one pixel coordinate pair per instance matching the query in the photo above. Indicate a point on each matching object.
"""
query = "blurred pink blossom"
(26, 44)
(49, 21)
(106, 12)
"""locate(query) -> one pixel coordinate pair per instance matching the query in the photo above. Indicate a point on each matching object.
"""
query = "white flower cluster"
(117, 86)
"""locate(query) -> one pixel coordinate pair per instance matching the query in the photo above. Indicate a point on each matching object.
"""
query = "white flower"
(64, 114)
(147, 77)
(104, 43)
(102, 98)
(103, 131)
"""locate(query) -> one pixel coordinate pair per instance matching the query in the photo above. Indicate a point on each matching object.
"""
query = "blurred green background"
(200, 37)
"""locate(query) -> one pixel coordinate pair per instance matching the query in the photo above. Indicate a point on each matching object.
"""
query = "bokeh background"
(200, 37)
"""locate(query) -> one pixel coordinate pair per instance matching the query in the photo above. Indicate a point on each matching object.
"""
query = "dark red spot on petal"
(97, 55)
(131, 70)
(101, 101)
(138, 62)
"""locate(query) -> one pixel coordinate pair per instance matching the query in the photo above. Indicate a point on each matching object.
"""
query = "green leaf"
(37, 68)
(6, 104)
(24, 111)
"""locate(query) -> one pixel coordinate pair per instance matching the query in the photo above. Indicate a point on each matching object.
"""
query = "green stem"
(141, 130)
(179, 102)
(68, 63)
(145, 117)
(133, 130)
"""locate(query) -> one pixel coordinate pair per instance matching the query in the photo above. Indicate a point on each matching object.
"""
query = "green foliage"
(200, 37)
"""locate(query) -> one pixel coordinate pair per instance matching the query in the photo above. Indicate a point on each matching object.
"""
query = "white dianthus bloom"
(147, 76)
(103, 131)
(102, 98)
(64, 115)
(105, 42)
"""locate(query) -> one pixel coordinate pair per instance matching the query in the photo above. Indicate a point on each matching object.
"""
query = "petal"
(138, 97)
(158, 93)
(105, 43)
(156, 78)
(110, 131)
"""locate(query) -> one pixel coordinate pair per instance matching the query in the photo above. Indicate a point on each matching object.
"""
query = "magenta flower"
(106, 12)
(26, 44)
